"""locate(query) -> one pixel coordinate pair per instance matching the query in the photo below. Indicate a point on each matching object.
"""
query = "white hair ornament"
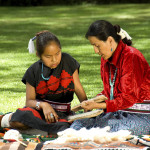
(31, 46)
(124, 34)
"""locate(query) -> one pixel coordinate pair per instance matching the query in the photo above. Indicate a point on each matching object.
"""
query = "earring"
(111, 49)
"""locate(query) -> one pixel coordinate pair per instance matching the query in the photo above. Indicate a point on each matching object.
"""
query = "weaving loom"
(85, 115)
(90, 114)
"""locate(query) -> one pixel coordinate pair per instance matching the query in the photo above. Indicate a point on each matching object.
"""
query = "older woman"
(126, 78)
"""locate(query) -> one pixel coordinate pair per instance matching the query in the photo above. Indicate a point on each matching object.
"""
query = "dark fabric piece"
(39, 146)
(34, 120)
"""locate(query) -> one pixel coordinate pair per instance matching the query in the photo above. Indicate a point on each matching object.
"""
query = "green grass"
(69, 23)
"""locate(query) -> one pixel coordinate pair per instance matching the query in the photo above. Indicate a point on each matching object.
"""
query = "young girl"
(50, 85)
(126, 78)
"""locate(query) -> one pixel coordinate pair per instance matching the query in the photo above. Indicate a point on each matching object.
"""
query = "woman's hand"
(91, 104)
(88, 105)
(49, 112)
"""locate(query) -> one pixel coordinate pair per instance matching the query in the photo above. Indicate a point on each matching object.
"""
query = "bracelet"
(37, 106)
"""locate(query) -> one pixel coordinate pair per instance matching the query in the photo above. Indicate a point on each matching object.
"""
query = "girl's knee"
(18, 125)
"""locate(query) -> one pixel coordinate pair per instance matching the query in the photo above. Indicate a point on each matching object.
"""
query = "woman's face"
(102, 48)
(52, 55)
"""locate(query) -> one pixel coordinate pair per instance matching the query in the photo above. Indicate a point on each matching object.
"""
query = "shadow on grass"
(14, 90)
(15, 36)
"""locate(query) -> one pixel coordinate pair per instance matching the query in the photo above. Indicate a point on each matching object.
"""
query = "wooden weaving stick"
(99, 98)
(89, 114)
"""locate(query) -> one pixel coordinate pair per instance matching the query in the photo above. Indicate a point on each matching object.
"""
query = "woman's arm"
(89, 105)
(31, 102)
(78, 87)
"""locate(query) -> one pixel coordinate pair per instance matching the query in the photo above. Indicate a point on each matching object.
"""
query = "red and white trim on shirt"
(139, 107)
(63, 107)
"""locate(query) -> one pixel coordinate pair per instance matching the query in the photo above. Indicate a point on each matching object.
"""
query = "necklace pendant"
(111, 92)
(111, 83)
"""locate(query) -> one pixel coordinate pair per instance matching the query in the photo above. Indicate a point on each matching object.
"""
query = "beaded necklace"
(111, 83)
(43, 75)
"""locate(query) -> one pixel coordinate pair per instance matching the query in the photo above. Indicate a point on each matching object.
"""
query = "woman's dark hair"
(103, 29)
(44, 38)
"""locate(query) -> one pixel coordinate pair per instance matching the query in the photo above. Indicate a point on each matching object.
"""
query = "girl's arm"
(30, 96)
(86, 105)
(78, 87)
(31, 102)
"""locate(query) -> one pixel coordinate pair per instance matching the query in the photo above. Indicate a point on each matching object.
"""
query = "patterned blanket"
(37, 142)
(72, 145)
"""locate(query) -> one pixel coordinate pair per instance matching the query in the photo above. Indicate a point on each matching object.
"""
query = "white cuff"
(5, 120)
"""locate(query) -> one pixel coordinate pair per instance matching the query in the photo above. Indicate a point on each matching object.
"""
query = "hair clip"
(124, 34)
(31, 46)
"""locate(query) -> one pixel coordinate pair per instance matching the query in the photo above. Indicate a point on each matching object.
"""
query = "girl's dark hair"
(44, 38)
(103, 29)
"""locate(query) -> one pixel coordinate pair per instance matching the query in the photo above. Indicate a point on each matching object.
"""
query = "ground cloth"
(72, 146)
(27, 137)
(35, 142)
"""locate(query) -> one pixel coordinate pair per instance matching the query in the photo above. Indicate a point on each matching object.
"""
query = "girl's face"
(102, 48)
(52, 55)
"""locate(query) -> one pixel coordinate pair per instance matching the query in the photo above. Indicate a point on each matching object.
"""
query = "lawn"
(69, 23)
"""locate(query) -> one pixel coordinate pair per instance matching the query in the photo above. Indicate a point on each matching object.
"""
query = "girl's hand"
(88, 105)
(49, 112)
